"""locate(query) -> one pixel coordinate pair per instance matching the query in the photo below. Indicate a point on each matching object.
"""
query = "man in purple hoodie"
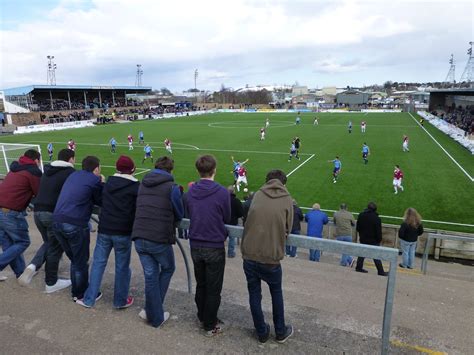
(208, 204)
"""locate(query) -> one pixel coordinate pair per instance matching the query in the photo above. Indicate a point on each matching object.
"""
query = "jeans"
(408, 253)
(75, 242)
(209, 265)
(15, 239)
(158, 264)
(231, 247)
(314, 254)
(255, 272)
(122, 246)
(51, 250)
(345, 259)
(290, 250)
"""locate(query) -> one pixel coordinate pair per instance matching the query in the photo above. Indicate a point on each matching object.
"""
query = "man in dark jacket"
(159, 208)
(119, 197)
(369, 227)
(81, 191)
(209, 211)
(52, 181)
(236, 212)
(295, 229)
(20, 185)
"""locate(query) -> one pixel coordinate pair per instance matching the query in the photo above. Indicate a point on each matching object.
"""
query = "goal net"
(11, 152)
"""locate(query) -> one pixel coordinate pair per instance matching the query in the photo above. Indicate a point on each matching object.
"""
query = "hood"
(25, 163)
(275, 189)
(156, 177)
(203, 188)
(57, 166)
(368, 210)
(117, 182)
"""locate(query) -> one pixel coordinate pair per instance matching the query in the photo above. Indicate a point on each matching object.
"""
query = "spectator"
(117, 214)
(159, 208)
(316, 219)
(369, 227)
(344, 222)
(236, 212)
(81, 191)
(409, 232)
(55, 174)
(16, 192)
(246, 205)
(295, 229)
(209, 211)
(268, 224)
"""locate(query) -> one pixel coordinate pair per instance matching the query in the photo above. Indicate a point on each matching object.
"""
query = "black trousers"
(377, 262)
(209, 265)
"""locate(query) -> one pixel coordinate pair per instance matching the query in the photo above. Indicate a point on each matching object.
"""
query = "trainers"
(99, 296)
(59, 285)
(142, 314)
(262, 339)
(402, 266)
(27, 275)
(81, 303)
(129, 302)
(351, 265)
(213, 332)
(3, 278)
(284, 337)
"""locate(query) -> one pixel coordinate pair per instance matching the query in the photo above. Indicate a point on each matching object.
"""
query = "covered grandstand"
(455, 106)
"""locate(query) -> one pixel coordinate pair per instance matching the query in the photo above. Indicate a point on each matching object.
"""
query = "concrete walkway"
(334, 310)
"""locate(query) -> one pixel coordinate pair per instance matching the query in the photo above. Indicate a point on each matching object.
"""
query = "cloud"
(236, 42)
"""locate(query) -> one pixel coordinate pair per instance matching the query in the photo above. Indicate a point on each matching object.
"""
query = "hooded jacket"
(55, 174)
(20, 184)
(369, 227)
(119, 200)
(268, 224)
(209, 211)
(409, 233)
(159, 207)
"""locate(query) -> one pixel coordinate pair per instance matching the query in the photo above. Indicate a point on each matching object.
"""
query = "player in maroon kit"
(168, 146)
(130, 142)
(405, 144)
(262, 133)
(397, 179)
(363, 124)
(241, 177)
(71, 145)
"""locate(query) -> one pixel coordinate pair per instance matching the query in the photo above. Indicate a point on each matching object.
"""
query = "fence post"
(387, 313)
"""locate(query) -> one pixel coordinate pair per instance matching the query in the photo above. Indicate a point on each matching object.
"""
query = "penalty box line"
(299, 166)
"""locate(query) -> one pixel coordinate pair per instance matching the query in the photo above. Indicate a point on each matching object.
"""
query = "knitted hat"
(125, 165)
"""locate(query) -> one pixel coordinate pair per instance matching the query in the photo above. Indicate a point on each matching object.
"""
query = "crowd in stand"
(147, 213)
(63, 105)
(461, 117)
(69, 117)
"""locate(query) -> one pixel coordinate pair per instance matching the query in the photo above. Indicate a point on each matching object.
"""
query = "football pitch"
(440, 189)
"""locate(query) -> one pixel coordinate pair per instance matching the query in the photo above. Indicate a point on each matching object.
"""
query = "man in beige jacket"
(267, 226)
(344, 221)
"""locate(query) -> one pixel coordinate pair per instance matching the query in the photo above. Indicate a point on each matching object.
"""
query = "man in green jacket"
(267, 226)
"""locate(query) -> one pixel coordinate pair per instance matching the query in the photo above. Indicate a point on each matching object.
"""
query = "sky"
(233, 42)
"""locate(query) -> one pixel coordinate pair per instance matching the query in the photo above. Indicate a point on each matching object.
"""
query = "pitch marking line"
(299, 166)
(418, 348)
(142, 172)
(444, 150)
(114, 167)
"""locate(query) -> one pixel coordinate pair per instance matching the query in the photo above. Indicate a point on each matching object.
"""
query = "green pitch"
(433, 184)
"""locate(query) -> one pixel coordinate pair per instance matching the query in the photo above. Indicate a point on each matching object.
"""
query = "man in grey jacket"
(344, 222)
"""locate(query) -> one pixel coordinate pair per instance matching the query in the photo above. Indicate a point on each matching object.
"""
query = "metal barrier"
(367, 251)
(433, 236)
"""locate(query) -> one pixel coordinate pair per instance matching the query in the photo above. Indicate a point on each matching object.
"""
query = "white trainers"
(3, 278)
(166, 316)
(59, 285)
(27, 276)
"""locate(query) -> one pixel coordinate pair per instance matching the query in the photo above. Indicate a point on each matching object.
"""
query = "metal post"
(125, 94)
(387, 313)
(69, 99)
(113, 97)
(186, 264)
(424, 261)
(5, 157)
(51, 100)
(100, 99)
(85, 100)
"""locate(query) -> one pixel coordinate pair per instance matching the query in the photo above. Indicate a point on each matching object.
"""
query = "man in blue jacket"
(81, 191)
(159, 208)
(209, 209)
(316, 219)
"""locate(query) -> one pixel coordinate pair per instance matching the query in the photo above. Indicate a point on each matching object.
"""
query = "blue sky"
(238, 42)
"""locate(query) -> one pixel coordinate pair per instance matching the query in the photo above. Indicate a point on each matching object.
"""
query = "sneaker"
(27, 276)
(262, 339)
(385, 273)
(284, 337)
(3, 278)
(129, 302)
(213, 332)
(81, 303)
(334, 181)
(59, 285)
(402, 266)
(362, 270)
(76, 299)
(351, 265)
(142, 314)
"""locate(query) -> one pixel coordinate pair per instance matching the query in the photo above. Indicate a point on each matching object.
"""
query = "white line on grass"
(401, 218)
(142, 172)
(444, 150)
(299, 166)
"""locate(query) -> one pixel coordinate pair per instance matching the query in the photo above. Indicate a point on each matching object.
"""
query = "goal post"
(11, 152)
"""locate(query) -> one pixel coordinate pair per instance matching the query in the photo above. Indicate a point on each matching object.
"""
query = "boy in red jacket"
(16, 192)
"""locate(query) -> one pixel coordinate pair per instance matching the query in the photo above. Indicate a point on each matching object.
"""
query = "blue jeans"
(255, 272)
(408, 253)
(290, 250)
(75, 241)
(231, 247)
(314, 254)
(15, 239)
(345, 259)
(122, 246)
(158, 267)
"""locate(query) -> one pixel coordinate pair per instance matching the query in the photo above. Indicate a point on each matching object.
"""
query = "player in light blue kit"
(141, 139)
(365, 153)
(337, 168)
(349, 126)
(113, 145)
(148, 152)
(50, 151)
(298, 119)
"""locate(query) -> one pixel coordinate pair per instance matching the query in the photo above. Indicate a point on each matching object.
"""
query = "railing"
(367, 251)
(433, 236)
